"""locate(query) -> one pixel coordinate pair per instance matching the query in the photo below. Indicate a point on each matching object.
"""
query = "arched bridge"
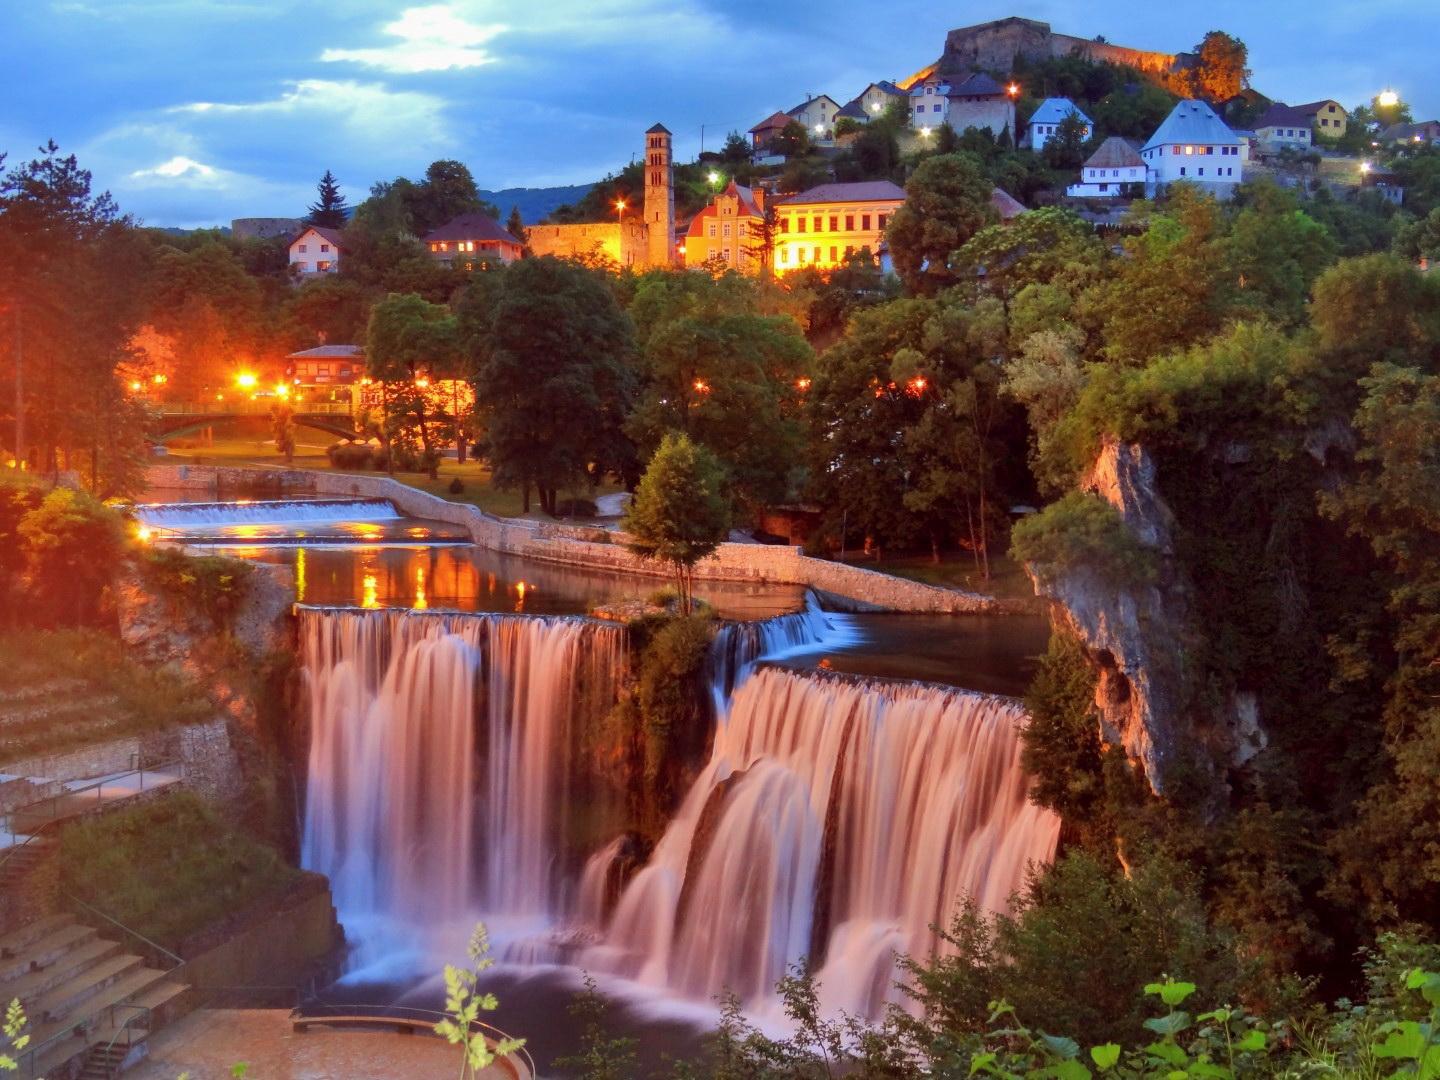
(334, 417)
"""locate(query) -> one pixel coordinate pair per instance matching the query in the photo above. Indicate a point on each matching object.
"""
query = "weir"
(264, 512)
(837, 818)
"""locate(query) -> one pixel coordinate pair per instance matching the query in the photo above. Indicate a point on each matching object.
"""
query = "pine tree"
(330, 211)
(515, 226)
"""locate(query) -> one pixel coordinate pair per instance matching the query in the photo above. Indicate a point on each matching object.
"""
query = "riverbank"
(841, 585)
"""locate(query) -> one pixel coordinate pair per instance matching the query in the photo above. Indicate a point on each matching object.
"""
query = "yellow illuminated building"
(824, 226)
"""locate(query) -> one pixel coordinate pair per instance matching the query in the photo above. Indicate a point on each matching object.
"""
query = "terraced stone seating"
(79, 990)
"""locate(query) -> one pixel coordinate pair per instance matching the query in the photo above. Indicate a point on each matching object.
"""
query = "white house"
(929, 104)
(873, 101)
(1046, 120)
(817, 115)
(315, 251)
(1281, 127)
(1193, 144)
(1114, 170)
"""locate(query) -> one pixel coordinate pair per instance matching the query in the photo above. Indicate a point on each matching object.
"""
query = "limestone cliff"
(1141, 639)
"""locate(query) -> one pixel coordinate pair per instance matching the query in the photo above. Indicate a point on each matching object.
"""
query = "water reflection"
(475, 579)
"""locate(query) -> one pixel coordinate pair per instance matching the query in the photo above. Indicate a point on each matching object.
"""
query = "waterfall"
(738, 647)
(440, 747)
(838, 819)
(264, 512)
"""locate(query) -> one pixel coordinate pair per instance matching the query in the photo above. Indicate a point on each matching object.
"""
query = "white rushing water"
(182, 516)
(836, 818)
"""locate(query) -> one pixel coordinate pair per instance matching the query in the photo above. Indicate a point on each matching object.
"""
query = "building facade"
(1115, 170)
(817, 116)
(729, 230)
(976, 101)
(472, 240)
(316, 250)
(824, 226)
(1046, 120)
(1328, 119)
(873, 101)
(1281, 127)
(1194, 145)
(659, 198)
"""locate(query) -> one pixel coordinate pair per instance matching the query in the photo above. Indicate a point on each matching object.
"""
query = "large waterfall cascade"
(837, 818)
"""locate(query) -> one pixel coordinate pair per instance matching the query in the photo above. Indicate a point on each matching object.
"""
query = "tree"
(515, 226)
(792, 140)
(550, 352)
(679, 514)
(409, 342)
(1420, 239)
(329, 211)
(1220, 70)
(1275, 251)
(947, 201)
(1066, 148)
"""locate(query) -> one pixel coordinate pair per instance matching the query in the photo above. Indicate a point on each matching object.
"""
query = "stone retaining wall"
(777, 564)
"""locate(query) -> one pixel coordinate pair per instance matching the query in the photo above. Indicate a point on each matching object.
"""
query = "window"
(849, 251)
(322, 266)
(817, 253)
(741, 230)
(800, 223)
(865, 222)
(1104, 187)
(919, 108)
(712, 230)
(784, 255)
(304, 248)
(1200, 171)
(834, 223)
(800, 254)
(1114, 172)
(1182, 170)
(882, 222)
(849, 222)
(323, 369)
(819, 223)
(832, 255)
(324, 248)
(727, 230)
(1175, 150)
(935, 107)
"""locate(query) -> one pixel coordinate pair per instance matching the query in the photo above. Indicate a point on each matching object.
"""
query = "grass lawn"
(309, 454)
(956, 570)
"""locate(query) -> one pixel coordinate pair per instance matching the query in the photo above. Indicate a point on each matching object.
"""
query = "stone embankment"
(840, 584)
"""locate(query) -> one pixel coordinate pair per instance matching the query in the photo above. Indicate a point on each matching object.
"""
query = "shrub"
(1083, 531)
(576, 508)
(457, 486)
(212, 584)
(72, 544)
(350, 455)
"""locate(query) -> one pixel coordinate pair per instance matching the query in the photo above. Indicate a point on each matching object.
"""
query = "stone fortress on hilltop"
(995, 46)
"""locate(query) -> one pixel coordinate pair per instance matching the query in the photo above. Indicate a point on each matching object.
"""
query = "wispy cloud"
(431, 38)
(370, 111)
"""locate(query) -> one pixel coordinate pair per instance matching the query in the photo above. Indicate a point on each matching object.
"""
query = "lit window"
(865, 222)
(322, 266)
(834, 223)
(801, 254)
(819, 223)
(849, 222)
(817, 253)
(784, 224)
(832, 255)
(800, 223)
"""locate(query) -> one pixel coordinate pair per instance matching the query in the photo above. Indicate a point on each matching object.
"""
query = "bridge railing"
(246, 407)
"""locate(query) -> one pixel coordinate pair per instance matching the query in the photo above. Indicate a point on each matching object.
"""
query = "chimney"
(759, 194)
(320, 336)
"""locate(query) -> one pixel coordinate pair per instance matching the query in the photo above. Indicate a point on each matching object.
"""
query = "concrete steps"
(79, 988)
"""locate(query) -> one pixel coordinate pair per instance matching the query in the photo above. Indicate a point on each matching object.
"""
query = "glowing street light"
(422, 381)
(281, 390)
(1387, 99)
(135, 386)
(620, 209)
(1013, 90)
(246, 380)
(713, 177)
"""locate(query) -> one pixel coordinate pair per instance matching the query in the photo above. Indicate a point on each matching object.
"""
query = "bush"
(71, 544)
(350, 455)
(457, 486)
(211, 584)
(1083, 531)
(576, 508)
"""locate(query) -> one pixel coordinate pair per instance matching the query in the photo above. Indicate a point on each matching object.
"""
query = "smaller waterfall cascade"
(264, 512)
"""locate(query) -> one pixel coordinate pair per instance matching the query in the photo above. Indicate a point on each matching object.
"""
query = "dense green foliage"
(679, 513)
(169, 867)
(947, 201)
(62, 548)
(212, 585)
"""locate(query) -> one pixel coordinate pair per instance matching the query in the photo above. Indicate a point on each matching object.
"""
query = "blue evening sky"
(196, 111)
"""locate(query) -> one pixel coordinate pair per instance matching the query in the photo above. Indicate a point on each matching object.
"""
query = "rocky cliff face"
(1141, 639)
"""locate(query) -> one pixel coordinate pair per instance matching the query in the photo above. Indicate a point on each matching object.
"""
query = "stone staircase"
(88, 1000)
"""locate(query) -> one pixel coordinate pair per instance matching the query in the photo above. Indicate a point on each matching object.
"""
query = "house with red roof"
(763, 133)
(473, 239)
(316, 250)
(728, 230)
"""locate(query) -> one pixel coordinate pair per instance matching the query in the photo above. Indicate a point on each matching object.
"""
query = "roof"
(331, 236)
(1054, 110)
(1006, 205)
(798, 109)
(1426, 129)
(774, 120)
(1191, 122)
(747, 209)
(860, 191)
(942, 89)
(328, 352)
(1310, 108)
(977, 85)
(853, 109)
(658, 129)
(1114, 153)
(1282, 115)
(474, 226)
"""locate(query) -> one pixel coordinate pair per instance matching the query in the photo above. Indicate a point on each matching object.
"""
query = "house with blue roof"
(1046, 120)
(1193, 144)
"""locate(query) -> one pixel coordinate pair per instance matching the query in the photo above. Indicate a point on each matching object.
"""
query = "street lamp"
(713, 177)
(620, 210)
(1387, 99)
(1013, 90)
(245, 380)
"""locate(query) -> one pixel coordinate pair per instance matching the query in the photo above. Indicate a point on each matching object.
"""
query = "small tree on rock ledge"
(679, 513)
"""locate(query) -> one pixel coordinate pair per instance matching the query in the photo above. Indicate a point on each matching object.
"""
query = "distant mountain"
(535, 204)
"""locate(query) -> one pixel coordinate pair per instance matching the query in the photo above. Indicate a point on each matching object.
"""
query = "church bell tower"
(659, 198)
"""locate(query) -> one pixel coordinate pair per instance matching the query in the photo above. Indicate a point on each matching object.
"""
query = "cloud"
(178, 166)
(431, 38)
